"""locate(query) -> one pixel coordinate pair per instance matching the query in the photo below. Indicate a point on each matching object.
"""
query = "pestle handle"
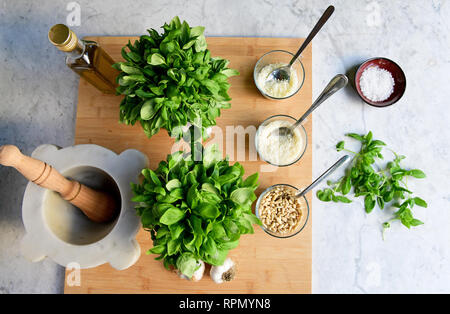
(97, 206)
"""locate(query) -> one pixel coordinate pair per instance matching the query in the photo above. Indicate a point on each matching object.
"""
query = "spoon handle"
(338, 82)
(323, 176)
(323, 19)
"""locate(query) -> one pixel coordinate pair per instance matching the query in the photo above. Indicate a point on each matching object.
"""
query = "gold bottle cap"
(62, 37)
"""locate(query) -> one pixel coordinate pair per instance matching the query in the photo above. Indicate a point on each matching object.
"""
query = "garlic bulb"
(198, 274)
(224, 272)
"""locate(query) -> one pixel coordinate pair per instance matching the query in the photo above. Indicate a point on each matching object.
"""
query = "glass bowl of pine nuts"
(282, 214)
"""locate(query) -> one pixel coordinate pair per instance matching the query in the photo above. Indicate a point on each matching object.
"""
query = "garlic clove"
(224, 272)
(198, 274)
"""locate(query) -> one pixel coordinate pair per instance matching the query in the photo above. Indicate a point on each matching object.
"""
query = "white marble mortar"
(58, 230)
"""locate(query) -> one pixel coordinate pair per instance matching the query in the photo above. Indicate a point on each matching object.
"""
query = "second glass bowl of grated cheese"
(275, 89)
(278, 150)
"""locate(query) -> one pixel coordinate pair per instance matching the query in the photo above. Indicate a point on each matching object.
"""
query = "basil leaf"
(133, 78)
(200, 43)
(420, 202)
(229, 72)
(140, 198)
(193, 196)
(415, 222)
(355, 136)
(154, 178)
(189, 44)
(129, 69)
(228, 245)
(416, 173)
(159, 249)
(187, 264)
(197, 31)
(321, 195)
(380, 202)
(177, 193)
(252, 219)
(368, 137)
(173, 184)
(143, 94)
(218, 231)
(171, 216)
(340, 146)
(245, 225)
(217, 259)
(175, 230)
(210, 247)
(156, 59)
(208, 187)
(147, 219)
(378, 142)
(147, 110)
(207, 211)
(133, 56)
(369, 203)
(343, 199)
(346, 185)
(251, 181)
(173, 246)
(211, 155)
(242, 196)
(168, 199)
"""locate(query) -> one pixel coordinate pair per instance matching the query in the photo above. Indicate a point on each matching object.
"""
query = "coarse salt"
(376, 84)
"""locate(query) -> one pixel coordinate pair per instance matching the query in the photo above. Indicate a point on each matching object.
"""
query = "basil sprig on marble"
(377, 185)
(170, 79)
(195, 210)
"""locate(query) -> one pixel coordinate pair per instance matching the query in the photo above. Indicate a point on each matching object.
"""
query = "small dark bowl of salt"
(380, 82)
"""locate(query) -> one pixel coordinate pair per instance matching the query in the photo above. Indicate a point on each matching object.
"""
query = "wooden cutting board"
(265, 264)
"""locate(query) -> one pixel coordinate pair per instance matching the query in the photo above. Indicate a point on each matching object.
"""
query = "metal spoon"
(338, 82)
(324, 175)
(284, 73)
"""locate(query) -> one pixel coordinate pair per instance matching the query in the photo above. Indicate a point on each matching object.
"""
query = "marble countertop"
(39, 96)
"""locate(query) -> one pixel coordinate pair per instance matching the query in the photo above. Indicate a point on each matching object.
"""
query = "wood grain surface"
(264, 264)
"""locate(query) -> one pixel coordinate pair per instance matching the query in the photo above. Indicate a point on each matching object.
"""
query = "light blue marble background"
(39, 96)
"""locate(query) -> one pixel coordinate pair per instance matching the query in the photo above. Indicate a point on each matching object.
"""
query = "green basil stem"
(195, 140)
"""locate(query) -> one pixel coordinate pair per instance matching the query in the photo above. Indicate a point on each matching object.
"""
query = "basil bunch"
(195, 210)
(378, 186)
(170, 79)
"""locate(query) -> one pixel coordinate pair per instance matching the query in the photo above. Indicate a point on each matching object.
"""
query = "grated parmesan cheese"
(279, 150)
(277, 88)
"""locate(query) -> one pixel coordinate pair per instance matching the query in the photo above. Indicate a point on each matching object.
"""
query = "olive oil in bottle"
(86, 58)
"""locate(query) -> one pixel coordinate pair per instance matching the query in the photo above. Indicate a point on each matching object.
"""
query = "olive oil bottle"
(86, 58)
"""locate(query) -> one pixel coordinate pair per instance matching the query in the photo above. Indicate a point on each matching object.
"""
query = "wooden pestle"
(97, 206)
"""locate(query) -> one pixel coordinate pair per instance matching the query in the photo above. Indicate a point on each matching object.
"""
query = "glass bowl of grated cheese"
(276, 89)
(277, 150)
